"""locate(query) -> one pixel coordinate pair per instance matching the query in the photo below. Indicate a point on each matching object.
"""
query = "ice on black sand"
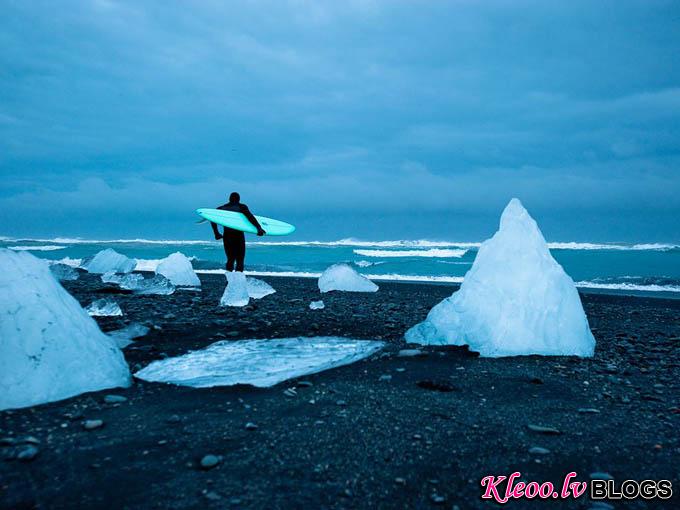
(51, 348)
(515, 300)
(259, 363)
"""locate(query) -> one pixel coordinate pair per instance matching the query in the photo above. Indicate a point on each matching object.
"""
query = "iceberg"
(178, 269)
(343, 277)
(236, 293)
(64, 272)
(260, 363)
(109, 261)
(515, 300)
(158, 285)
(317, 305)
(135, 282)
(125, 336)
(104, 308)
(50, 348)
(257, 289)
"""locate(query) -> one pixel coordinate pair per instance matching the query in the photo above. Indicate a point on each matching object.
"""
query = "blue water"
(639, 269)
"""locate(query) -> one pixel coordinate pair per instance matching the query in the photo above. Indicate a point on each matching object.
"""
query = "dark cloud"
(420, 119)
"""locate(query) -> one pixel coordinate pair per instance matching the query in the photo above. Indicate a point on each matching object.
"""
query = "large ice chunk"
(258, 362)
(515, 300)
(236, 293)
(50, 349)
(105, 307)
(257, 289)
(109, 261)
(343, 277)
(178, 269)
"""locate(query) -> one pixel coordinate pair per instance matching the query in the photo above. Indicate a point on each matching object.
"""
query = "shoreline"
(385, 432)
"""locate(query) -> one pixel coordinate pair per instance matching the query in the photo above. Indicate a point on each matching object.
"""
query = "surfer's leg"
(240, 248)
(229, 252)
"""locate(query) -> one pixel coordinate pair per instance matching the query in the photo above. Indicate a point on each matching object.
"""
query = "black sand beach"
(387, 432)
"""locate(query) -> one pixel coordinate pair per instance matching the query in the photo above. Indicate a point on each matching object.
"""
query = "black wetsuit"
(235, 240)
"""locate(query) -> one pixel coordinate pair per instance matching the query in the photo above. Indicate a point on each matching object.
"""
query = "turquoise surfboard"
(238, 221)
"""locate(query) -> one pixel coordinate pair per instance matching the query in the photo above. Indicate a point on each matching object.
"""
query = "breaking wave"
(37, 248)
(350, 242)
(433, 252)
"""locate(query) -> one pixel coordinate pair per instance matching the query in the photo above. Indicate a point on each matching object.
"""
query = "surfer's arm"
(216, 230)
(246, 212)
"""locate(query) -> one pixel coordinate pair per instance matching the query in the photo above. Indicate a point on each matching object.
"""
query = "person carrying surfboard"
(235, 240)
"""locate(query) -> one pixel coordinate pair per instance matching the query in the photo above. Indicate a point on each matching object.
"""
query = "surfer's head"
(234, 198)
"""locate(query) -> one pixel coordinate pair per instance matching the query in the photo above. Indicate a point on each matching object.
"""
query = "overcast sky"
(370, 119)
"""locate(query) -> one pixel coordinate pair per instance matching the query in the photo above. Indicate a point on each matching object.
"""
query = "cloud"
(331, 108)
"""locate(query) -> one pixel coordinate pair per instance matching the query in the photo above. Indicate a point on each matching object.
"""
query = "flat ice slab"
(345, 278)
(515, 300)
(50, 348)
(178, 269)
(259, 363)
(109, 261)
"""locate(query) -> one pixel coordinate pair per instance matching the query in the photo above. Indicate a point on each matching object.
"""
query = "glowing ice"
(257, 289)
(105, 307)
(178, 269)
(50, 349)
(236, 293)
(343, 277)
(109, 261)
(515, 300)
(64, 272)
(135, 282)
(259, 363)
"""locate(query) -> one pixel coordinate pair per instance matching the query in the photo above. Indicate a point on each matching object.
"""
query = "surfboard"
(238, 221)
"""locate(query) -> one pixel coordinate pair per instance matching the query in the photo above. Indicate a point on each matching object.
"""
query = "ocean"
(640, 269)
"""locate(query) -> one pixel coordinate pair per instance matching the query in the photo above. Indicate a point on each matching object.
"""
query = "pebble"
(173, 419)
(290, 392)
(544, 430)
(93, 424)
(400, 369)
(212, 496)
(210, 461)
(410, 353)
(400, 481)
(341, 403)
(437, 499)
(600, 505)
(442, 386)
(115, 399)
(385, 377)
(600, 476)
(537, 450)
(251, 426)
(27, 453)
(304, 384)
(588, 410)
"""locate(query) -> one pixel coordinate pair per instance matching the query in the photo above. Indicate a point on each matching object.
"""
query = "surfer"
(235, 240)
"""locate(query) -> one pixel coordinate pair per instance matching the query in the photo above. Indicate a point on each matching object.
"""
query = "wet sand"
(387, 432)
